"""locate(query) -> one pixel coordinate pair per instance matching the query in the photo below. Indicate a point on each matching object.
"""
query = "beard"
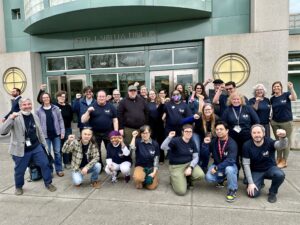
(258, 140)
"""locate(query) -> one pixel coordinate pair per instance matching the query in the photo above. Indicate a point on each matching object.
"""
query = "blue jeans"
(57, 155)
(66, 156)
(230, 174)
(273, 173)
(39, 158)
(77, 177)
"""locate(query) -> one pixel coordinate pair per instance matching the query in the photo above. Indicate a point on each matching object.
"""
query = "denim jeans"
(57, 155)
(273, 173)
(230, 174)
(67, 157)
(39, 157)
(77, 177)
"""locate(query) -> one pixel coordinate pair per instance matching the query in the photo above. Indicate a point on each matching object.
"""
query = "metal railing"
(295, 21)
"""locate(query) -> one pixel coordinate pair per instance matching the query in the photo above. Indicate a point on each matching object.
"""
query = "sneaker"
(220, 184)
(60, 173)
(67, 166)
(18, 191)
(114, 179)
(190, 183)
(95, 184)
(231, 196)
(272, 198)
(127, 178)
(51, 188)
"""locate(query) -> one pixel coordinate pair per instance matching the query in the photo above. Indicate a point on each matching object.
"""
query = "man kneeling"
(224, 152)
(259, 161)
(85, 157)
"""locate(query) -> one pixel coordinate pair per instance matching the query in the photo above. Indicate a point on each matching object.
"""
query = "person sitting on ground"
(118, 157)
(85, 157)
(146, 159)
(224, 152)
(259, 161)
(183, 160)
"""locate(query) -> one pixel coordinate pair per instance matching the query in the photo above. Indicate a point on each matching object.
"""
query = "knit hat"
(114, 133)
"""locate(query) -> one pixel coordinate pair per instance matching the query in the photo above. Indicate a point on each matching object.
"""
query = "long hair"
(157, 99)
(183, 93)
(277, 82)
(203, 89)
(212, 119)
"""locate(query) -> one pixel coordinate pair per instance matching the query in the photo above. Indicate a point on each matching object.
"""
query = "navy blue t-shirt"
(51, 133)
(282, 109)
(116, 154)
(145, 153)
(247, 118)
(84, 160)
(261, 158)
(223, 104)
(175, 113)
(101, 119)
(181, 152)
(263, 109)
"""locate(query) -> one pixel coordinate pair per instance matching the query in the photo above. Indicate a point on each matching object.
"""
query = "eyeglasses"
(188, 131)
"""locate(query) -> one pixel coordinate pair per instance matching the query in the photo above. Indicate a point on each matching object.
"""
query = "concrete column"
(269, 15)
(2, 29)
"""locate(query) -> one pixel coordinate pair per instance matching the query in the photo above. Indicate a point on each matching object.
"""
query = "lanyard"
(221, 150)
(236, 116)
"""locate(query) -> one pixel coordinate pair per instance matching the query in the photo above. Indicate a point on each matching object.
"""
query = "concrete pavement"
(121, 203)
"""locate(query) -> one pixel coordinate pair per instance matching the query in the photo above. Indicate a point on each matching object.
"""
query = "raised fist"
(281, 133)
(172, 134)
(135, 133)
(91, 109)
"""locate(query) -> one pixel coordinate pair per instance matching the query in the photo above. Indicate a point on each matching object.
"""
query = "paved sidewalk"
(121, 203)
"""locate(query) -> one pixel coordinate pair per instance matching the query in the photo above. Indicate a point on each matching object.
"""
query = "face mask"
(25, 113)
(176, 98)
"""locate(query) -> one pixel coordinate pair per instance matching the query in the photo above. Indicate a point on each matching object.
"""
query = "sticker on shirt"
(265, 154)
(173, 106)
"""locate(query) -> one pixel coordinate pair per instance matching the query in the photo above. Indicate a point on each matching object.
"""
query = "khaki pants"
(288, 127)
(139, 177)
(178, 179)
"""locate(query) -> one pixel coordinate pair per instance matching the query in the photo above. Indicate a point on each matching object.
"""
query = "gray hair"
(24, 100)
(260, 126)
(259, 86)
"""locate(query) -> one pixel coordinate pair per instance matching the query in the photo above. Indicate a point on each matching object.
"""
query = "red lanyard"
(221, 150)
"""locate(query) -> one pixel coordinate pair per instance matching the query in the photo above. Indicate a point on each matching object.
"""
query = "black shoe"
(272, 198)
(231, 196)
(220, 185)
(127, 178)
(190, 184)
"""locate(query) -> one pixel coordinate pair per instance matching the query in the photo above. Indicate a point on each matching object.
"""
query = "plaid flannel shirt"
(75, 147)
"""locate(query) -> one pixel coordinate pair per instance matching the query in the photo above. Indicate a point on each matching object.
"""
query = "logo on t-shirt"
(245, 116)
(283, 101)
(266, 154)
(107, 111)
(181, 110)
(152, 152)
(191, 150)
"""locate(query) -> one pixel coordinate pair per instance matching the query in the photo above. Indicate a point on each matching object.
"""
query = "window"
(185, 55)
(232, 67)
(161, 57)
(131, 59)
(14, 78)
(103, 61)
(75, 62)
(57, 63)
(16, 14)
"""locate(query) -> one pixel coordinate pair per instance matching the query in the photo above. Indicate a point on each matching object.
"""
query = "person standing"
(85, 156)
(26, 144)
(116, 98)
(282, 117)
(16, 94)
(262, 106)
(102, 116)
(259, 161)
(224, 152)
(132, 114)
(53, 127)
(67, 114)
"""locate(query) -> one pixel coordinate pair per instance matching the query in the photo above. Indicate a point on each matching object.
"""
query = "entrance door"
(169, 78)
(72, 84)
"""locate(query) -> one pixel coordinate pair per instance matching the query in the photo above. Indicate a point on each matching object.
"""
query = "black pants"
(101, 137)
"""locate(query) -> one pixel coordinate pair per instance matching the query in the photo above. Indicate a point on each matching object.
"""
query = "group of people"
(147, 128)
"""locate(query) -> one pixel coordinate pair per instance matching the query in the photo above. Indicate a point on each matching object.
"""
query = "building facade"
(111, 44)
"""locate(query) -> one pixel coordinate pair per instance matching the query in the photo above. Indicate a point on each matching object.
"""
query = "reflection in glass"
(162, 83)
(75, 62)
(160, 57)
(127, 79)
(106, 82)
(103, 61)
(185, 79)
(53, 84)
(185, 55)
(55, 64)
(75, 87)
(131, 59)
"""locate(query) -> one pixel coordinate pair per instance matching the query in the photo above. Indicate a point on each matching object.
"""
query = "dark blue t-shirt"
(84, 160)
(101, 119)
(282, 109)
(51, 133)
(261, 158)
(174, 115)
(181, 152)
(116, 154)
(247, 117)
(263, 109)
(145, 153)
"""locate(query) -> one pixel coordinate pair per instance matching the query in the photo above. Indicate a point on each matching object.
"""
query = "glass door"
(75, 84)
(186, 77)
(54, 85)
(162, 80)
(126, 79)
